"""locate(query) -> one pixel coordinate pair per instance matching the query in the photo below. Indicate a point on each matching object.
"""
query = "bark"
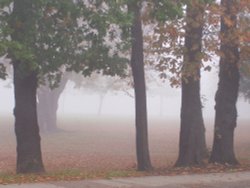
(137, 64)
(227, 93)
(29, 157)
(192, 145)
(47, 105)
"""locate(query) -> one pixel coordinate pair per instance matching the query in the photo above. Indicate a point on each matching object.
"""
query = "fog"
(165, 104)
(107, 142)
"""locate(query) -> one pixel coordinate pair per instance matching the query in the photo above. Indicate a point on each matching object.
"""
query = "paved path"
(216, 180)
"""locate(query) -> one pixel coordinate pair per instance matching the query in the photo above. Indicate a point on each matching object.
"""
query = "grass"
(76, 174)
(123, 173)
(65, 175)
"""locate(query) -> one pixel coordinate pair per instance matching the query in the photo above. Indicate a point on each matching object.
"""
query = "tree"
(29, 157)
(85, 37)
(227, 93)
(47, 105)
(137, 65)
(101, 85)
(244, 22)
(178, 45)
(161, 10)
(134, 8)
(192, 146)
(4, 42)
(118, 10)
(244, 88)
(37, 49)
(123, 19)
(44, 36)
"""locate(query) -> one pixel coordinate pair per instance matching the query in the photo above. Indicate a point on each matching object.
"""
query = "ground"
(100, 144)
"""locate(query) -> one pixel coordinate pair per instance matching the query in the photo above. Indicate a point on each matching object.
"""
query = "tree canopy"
(66, 35)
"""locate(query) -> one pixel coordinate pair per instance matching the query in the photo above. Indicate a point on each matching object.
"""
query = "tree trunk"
(192, 145)
(161, 105)
(101, 97)
(227, 93)
(47, 105)
(137, 64)
(29, 157)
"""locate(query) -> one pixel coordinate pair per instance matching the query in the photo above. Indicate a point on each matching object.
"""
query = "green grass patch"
(79, 174)
(122, 173)
(65, 175)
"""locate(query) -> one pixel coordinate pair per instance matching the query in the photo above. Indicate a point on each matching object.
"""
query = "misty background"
(163, 100)
(95, 141)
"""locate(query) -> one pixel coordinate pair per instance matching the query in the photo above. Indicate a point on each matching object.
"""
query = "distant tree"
(227, 93)
(245, 85)
(3, 73)
(47, 104)
(101, 85)
(244, 22)
(4, 42)
(192, 146)
(92, 40)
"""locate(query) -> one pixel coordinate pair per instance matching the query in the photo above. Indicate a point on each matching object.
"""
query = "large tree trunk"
(29, 158)
(227, 93)
(192, 145)
(137, 64)
(47, 105)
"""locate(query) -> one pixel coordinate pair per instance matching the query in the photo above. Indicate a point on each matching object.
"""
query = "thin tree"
(137, 64)
(244, 22)
(227, 93)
